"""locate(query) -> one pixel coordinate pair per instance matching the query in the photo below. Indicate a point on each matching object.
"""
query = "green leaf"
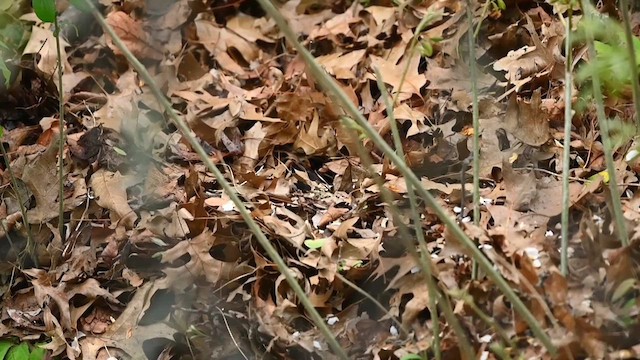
(45, 10)
(426, 49)
(119, 151)
(411, 357)
(622, 289)
(1, 135)
(501, 5)
(19, 352)
(315, 243)
(38, 354)
(4, 344)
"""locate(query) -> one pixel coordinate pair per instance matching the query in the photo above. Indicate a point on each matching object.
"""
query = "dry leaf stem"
(327, 83)
(229, 190)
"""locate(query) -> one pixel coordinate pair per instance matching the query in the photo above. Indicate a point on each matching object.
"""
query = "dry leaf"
(527, 121)
(110, 190)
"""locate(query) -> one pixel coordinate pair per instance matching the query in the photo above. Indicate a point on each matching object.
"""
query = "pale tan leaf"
(111, 193)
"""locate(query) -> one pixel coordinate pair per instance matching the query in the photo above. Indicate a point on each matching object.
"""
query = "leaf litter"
(157, 261)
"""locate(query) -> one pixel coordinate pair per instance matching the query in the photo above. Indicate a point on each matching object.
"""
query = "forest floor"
(156, 262)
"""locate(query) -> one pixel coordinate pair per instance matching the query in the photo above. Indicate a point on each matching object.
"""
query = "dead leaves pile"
(148, 230)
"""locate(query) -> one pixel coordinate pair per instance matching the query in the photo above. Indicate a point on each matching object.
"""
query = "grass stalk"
(604, 132)
(338, 95)
(633, 61)
(566, 154)
(483, 16)
(229, 190)
(475, 117)
(56, 34)
(430, 18)
(417, 222)
(476, 126)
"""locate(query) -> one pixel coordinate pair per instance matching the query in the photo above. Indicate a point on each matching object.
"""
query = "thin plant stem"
(476, 126)
(338, 95)
(397, 142)
(485, 8)
(633, 61)
(426, 21)
(604, 133)
(56, 33)
(229, 190)
(566, 198)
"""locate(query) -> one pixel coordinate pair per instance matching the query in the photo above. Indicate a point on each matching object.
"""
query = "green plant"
(495, 6)
(45, 10)
(612, 54)
(14, 35)
(10, 350)
(632, 57)
(606, 54)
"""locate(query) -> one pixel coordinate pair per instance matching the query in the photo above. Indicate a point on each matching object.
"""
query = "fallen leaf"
(111, 193)
(527, 121)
